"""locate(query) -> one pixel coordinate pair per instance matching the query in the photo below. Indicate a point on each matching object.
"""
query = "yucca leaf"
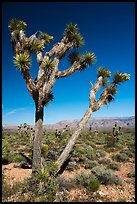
(37, 45)
(74, 56)
(102, 71)
(48, 64)
(89, 58)
(46, 37)
(104, 81)
(120, 77)
(72, 34)
(112, 91)
(49, 98)
(71, 28)
(22, 61)
(16, 24)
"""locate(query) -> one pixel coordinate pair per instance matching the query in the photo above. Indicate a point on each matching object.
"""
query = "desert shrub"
(110, 141)
(43, 183)
(93, 184)
(104, 160)
(106, 176)
(6, 152)
(109, 149)
(81, 179)
(100, 153)
(128, 152)
(44, 150)
(89, 181)
(18, 158)
(71, 166)
(6, 159)
(84, 151)
(90, 164)
(131, 173)
(113, 166)
(65, 183)
(121, 157)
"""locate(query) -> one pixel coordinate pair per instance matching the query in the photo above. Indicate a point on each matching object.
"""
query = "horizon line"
(72, 120)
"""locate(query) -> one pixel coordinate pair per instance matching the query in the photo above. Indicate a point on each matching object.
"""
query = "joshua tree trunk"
(38, 137)
(69, 148)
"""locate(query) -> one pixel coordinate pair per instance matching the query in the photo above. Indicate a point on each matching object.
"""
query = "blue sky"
(108, 29)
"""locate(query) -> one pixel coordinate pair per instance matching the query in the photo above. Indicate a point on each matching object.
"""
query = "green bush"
(65, 183)
(110, 141)
(131, 173)
(121, 157)
(43, 183)
(89, 181)
(113, 166)
(90, 164)
(104, 160)
(93, 184)
(106, 176)
(128, 152)
(71, 166)
(100, 153)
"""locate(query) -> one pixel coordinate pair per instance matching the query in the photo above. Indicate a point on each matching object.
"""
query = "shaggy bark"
(69, 148)
(37, 139)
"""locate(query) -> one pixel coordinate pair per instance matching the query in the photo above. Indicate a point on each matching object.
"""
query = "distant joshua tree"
(40, 87)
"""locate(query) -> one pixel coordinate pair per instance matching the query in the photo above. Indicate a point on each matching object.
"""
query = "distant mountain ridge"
(99, 123)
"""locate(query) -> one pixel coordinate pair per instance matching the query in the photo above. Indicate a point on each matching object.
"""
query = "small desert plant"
(106, 176)
(128, 152)
(65, 183)
(71, 166)
(110, 141)
(90, 164)
(89, 181)
(92, 184)
(100, 153)
(113, 166)
(121, 157)
(104, 161)
(131, 173)
(43, 183)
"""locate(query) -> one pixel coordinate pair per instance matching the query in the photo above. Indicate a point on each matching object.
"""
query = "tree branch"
(97, 105)
(76, 66)
(29, 82)
(94, 89)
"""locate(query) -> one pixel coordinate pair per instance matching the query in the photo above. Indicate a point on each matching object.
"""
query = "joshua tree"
(40, 87)
(106, 97)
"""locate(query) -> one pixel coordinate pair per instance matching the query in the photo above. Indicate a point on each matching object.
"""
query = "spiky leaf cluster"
(22, 61)
(49, 99)
(47, 38)
(74, 56)
(48, 64)
(105, 73)
(109, 98)
(112, 90)
(17, 25)
(120, 77)
(72, 35)
(37, 45)
(102, 71)
(87, 59)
